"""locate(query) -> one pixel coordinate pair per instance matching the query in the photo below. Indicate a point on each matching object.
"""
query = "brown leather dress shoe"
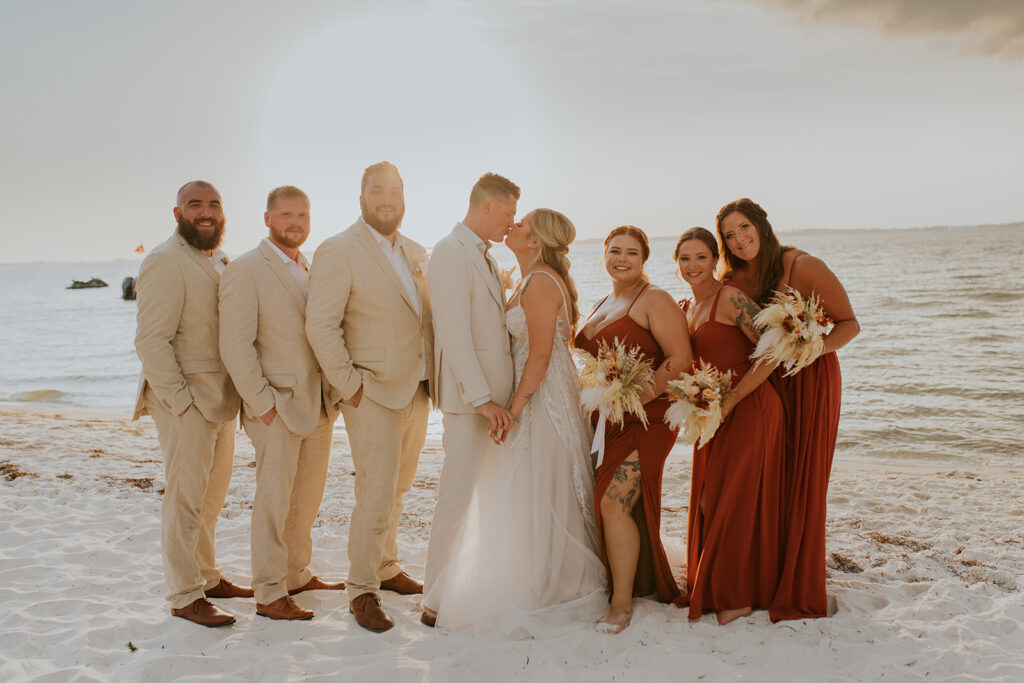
(203, 612)
(429, 617)
(283, 608)
(226, 589)
(369, 614)
(318, 584)
(402, 583)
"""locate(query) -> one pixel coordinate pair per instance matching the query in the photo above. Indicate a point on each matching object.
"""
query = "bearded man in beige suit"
(473, 362)
(369, 322)
(186, 389)
(287, 408)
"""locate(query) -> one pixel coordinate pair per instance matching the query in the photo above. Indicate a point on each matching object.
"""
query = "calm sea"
(937, 373)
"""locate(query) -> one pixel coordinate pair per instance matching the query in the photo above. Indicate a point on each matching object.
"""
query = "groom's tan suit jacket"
(263, 342)
(472, 353)
(177, 334)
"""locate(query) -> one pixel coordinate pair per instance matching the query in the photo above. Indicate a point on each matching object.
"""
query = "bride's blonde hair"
(555, 233)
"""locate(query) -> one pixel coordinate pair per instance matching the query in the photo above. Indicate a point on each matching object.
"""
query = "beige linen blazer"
(472, 352)
(360, 322)
(263, 342)
(176, 333)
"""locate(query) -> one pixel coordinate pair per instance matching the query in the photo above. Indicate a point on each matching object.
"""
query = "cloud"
(986, 27)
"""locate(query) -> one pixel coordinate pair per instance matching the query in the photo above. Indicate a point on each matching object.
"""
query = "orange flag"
(139, 249)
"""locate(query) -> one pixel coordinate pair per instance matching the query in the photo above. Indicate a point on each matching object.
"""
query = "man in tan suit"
(473, 362)
(368, 320)
(188, 392)
(287, 409)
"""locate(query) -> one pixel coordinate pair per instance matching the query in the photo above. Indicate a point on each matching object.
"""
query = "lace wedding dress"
(525, 562)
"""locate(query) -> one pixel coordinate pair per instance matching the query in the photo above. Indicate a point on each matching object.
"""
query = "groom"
(473, 363)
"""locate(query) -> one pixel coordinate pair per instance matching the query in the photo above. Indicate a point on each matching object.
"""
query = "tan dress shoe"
(429, 617)
(318, 584)
(402, 583)
(283, 608)
(369, 614)
(203, 612)
(226, 589)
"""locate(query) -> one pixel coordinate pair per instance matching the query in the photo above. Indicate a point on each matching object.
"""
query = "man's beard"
(381, 225)
(198, 239)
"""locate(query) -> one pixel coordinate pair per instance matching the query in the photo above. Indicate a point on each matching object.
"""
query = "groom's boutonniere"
(507, 277)
(420, 265)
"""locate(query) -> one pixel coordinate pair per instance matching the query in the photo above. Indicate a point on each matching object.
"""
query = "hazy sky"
(831, 114)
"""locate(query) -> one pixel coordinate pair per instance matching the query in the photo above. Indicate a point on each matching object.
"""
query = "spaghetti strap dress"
(652, 443)
(733, 539)
(811, 401)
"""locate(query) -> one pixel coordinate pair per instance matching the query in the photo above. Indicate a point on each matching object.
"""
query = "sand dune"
(926, 575)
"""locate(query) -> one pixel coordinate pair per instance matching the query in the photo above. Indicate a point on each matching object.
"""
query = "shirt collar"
(381, 239)
(285, 257)
(481, 244)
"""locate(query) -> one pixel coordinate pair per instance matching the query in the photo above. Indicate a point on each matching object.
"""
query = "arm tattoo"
(747, 310)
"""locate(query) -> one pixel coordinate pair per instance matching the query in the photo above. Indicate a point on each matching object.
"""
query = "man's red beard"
(199, 239)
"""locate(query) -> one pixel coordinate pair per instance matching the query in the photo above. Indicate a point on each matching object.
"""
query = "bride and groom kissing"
(513, 545)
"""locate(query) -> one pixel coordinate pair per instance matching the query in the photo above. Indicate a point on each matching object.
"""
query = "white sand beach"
(926, 575)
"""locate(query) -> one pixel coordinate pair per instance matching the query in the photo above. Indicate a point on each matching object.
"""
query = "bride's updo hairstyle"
(767, 266)
(637, 234)
(555, 233)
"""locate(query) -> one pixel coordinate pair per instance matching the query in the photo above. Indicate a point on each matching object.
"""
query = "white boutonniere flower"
(420, 265)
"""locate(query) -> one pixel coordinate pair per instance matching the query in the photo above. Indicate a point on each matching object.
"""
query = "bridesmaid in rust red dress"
(756, 262)
(627, 491)
(732, 542)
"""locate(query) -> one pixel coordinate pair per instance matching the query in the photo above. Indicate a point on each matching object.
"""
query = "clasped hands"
(500, 420)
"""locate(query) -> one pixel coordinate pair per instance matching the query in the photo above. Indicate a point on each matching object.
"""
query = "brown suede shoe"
(429, 617)
(318, 584)
(203, 612)
(283, 608)
(369, 614)
(402, 583)
(226, 589)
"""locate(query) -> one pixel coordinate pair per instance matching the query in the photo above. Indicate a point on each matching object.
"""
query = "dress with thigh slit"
(652, 443)
(733, 539)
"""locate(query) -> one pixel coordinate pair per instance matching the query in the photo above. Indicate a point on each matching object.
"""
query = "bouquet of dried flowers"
(697, 398)
(793, 331)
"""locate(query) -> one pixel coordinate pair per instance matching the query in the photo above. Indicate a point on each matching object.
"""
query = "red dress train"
(653, 443)
(733, 543)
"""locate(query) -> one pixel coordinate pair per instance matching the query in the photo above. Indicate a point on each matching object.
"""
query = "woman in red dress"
(627, 491)
(756, 262)
(732, 542)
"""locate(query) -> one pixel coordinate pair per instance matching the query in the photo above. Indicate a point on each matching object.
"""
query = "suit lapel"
(280, 271)
(480, 262)
(200, 258)
(371, 246)
(417, 276)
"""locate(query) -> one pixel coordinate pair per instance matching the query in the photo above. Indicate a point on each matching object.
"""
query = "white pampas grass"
(697, 397)
(793, 331)
(614, 381)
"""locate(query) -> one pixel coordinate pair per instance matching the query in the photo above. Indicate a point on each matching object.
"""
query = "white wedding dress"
(525, 562)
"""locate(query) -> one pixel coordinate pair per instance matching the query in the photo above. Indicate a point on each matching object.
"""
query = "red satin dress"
(653, 443)
(733, 543)
(811, 400)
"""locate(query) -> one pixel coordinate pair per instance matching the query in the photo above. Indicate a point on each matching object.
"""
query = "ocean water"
(936, 375)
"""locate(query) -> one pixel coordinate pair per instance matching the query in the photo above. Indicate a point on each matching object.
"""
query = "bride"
(525, 563)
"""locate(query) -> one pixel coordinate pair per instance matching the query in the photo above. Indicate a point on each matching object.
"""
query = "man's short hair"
(285, 192)
(376, 168)
(193, 183)
(492, 186)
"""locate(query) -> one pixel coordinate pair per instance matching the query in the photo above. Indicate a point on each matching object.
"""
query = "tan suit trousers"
(386, 446)
(466, 444)
(291, 471)
(198, 458)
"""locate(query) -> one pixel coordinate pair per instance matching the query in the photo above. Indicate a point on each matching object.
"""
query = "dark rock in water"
(128, 288)
(88, 284)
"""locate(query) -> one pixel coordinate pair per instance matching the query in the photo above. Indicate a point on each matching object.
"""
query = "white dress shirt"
(219, 260)
(299, 269)
(395, 255)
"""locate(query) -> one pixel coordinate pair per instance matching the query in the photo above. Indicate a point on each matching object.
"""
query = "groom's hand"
(500, 419)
